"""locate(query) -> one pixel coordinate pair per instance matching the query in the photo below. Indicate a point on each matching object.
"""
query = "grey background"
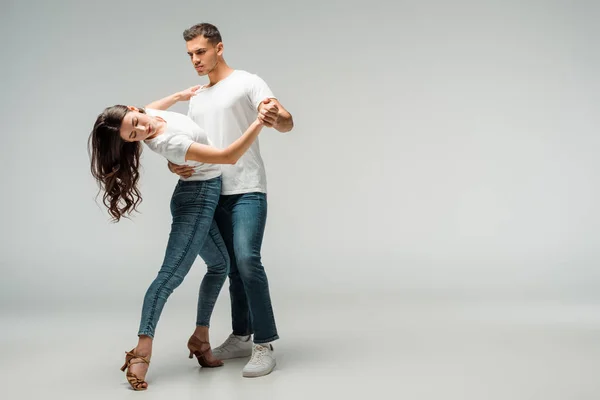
(438, 147)
(442, 150)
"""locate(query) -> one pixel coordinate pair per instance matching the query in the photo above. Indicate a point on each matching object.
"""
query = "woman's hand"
(188, 93)
(166, 102)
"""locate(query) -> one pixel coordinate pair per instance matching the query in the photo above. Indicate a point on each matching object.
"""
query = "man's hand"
(269, 113)
(185, 171)
(188, 93)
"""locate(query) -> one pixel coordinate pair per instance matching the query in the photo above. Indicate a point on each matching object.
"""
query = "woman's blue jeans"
(193, 232)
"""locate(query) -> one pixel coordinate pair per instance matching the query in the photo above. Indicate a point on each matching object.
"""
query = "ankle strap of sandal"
(132, 356)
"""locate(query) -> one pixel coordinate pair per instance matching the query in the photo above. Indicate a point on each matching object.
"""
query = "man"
(224, 108)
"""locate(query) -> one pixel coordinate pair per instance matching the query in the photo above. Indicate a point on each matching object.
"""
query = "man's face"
(203, 54)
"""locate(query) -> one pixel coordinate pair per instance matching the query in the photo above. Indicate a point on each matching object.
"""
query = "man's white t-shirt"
(175, 141)
(225, 111)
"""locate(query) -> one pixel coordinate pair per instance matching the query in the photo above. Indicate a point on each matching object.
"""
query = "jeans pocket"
(184, 196)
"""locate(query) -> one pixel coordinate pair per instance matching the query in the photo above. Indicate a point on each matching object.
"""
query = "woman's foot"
(136, 364)
(201, 349)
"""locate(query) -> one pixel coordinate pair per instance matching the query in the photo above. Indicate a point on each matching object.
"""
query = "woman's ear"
(132, 108)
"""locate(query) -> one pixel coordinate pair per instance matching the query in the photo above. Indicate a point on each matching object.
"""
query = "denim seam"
(212, 237)
(224, 255)
(202, 189)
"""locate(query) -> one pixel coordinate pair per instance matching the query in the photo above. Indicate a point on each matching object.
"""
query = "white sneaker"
(261, 363)
(233, 347)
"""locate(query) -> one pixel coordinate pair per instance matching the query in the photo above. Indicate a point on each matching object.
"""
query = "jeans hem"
(271, 339)
(146, 333)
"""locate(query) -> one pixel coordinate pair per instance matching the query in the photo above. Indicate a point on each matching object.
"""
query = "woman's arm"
(229, 155)
(167, 102)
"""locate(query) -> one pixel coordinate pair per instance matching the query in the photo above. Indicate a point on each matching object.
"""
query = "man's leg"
(238, 344)
(243, 218)
(249, 217)
(240, 313)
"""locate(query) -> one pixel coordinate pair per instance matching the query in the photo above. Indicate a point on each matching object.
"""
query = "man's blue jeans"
(241, 220)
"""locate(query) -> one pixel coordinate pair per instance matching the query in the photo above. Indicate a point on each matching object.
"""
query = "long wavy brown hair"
(115, 163)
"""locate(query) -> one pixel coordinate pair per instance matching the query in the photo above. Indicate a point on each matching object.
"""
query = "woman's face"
(137, 126)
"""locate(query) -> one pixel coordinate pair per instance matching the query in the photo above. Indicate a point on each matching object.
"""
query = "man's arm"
(274, 115)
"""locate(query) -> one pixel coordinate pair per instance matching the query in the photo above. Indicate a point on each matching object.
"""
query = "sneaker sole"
(251, 374)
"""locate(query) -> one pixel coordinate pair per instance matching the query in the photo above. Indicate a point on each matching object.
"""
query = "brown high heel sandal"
(195, 347)
(130, 359)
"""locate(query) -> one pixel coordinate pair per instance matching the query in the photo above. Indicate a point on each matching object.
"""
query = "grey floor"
(338, 347)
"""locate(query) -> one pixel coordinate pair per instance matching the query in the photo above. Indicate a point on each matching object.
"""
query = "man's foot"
(261, 363)
(234, 347)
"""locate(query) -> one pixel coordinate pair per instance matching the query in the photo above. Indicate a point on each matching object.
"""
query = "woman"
(115, 148)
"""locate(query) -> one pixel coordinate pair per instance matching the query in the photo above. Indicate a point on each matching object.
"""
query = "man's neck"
(220, 72)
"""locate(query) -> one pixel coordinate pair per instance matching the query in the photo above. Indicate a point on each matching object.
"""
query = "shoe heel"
(206, 364)
(195, 346)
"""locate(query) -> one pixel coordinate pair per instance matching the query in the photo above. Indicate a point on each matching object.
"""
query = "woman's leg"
(214, 254)
(192, 207)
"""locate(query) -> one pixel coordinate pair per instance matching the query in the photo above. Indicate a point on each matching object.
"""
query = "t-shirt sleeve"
(258, 90)
(176, 148)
